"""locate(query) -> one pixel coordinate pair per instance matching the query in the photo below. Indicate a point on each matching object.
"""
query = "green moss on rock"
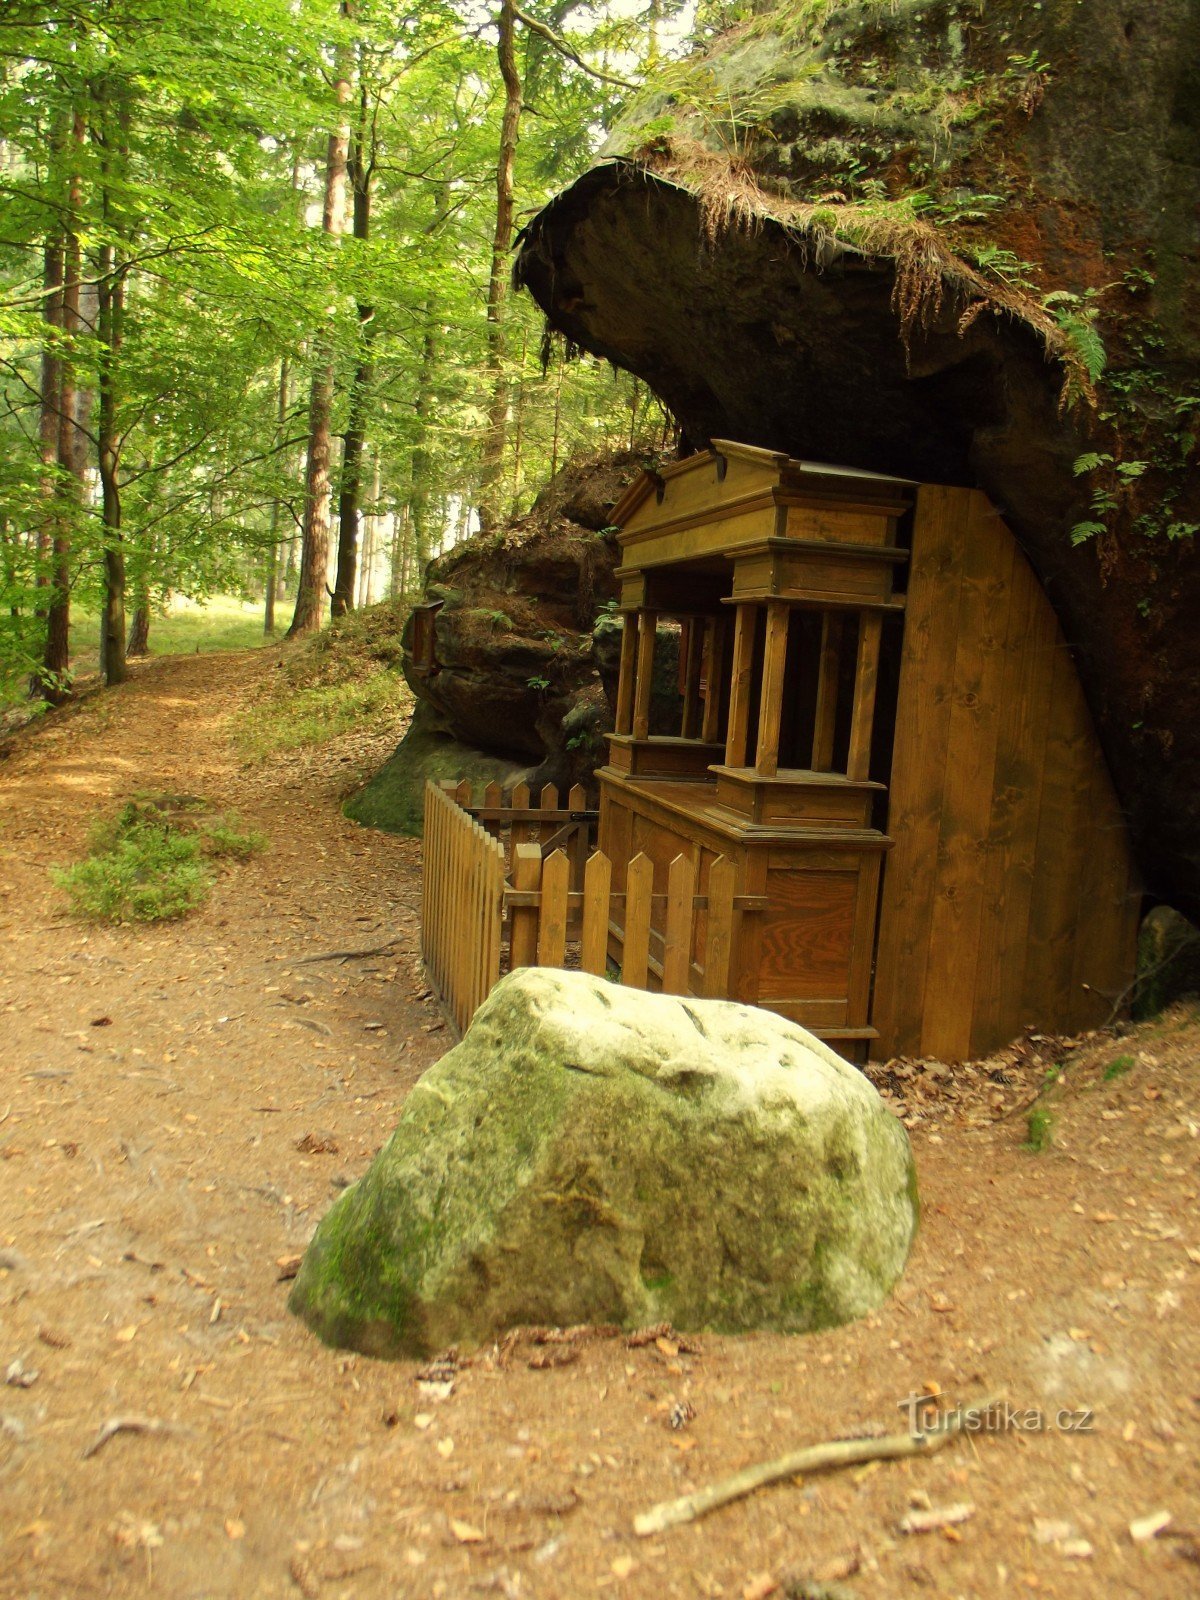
(593, 1153)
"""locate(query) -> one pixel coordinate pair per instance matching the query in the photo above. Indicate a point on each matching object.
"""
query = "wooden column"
(715, 651)
(770, 707)
(866, 674)
(832, 627)
(647, 633)
(693, 660)
(739, 691)
(624, 717)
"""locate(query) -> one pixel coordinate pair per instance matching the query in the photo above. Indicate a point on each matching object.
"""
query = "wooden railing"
(462, 905)
(556, 907)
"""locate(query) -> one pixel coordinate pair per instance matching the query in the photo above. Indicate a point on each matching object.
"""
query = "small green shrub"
(151, 861)
(1039, 1130)
(1117, 1068)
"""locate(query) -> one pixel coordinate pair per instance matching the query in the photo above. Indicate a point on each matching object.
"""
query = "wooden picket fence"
(509, 884)
(462, 905)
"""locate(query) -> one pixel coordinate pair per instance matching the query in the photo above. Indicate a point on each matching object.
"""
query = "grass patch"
(341, 680)
(1039, 1130)
(222, 623)
(312, 715)
(1118, 1068)
(153, 860)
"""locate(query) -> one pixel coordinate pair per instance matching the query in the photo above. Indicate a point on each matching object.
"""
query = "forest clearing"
(181, 1102)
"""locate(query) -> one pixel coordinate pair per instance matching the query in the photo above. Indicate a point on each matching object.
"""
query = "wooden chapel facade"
(880, 723)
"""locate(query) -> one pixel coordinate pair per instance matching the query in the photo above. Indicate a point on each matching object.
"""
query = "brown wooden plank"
(462, 792)
(716, 635)
(919, 762)
(866, 677)
(739, 692)
(677, 950)
(647, 635)
(692, 663)
(1064, 837)
(1024, 696)
(766, 761)
(832, 631)
(718, 945)
(523, 920)
(964, 836)
(597, 885)
(552, 922)
(623, 722)
(639, 886)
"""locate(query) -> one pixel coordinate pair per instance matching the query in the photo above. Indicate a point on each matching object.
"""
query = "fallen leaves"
(321, 1143)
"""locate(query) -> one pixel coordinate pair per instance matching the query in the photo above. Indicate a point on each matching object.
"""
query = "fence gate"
(547, 902)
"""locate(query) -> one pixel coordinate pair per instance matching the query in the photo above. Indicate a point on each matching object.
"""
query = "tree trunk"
(350, 492)
(314, 548)
(109, 133)
(49, 487)
(139, 628)
(272, 583)
(56, 658)
(111, 288)
(493, 450)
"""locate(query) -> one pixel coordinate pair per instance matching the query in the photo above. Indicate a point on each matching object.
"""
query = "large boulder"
(591, 1153)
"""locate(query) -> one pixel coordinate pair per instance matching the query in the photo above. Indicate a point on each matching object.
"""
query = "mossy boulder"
(394, 799)
(590, 1153)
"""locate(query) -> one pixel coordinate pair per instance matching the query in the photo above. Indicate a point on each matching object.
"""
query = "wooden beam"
(832, 631)
(739, 691)
(718, 633)
(647, 633)
(624, 717)
(866, 676)
(693, 661)
(770, 710)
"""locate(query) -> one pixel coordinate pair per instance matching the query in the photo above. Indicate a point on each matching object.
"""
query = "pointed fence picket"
(541, 897)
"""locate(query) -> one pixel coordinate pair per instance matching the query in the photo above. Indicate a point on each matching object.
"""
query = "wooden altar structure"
(880, 723)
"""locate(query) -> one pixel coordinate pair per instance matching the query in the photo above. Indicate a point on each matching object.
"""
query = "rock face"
(957, 243)
(590, 1153)
(514, 658)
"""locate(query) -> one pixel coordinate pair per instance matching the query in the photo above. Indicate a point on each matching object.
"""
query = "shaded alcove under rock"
(756, 331)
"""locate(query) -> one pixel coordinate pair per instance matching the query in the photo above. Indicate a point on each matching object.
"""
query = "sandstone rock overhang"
(756, 330)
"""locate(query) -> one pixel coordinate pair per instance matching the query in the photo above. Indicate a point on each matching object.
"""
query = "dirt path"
(154, 1085)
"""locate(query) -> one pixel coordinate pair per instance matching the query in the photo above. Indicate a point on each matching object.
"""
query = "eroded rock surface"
(590, 1153)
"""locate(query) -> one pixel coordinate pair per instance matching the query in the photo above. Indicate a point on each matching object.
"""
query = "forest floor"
(179, 1104)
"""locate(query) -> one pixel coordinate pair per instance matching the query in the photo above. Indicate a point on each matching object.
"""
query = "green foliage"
(204, 133)
(150, 862)
(1039, 1130)
(317, 713)
(1118, 1068)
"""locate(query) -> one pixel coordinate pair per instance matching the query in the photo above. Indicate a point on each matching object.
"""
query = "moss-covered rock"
(590, 1153)
(394, 799)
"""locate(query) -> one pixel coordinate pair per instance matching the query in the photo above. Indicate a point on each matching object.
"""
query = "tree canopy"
(231, 225)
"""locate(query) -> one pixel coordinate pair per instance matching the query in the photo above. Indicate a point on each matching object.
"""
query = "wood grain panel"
(964, 835)
(919, 766)
(806, 935)
(1016, 806)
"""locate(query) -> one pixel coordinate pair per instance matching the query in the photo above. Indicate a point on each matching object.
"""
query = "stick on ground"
(117, 1425)
(814, 1458)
